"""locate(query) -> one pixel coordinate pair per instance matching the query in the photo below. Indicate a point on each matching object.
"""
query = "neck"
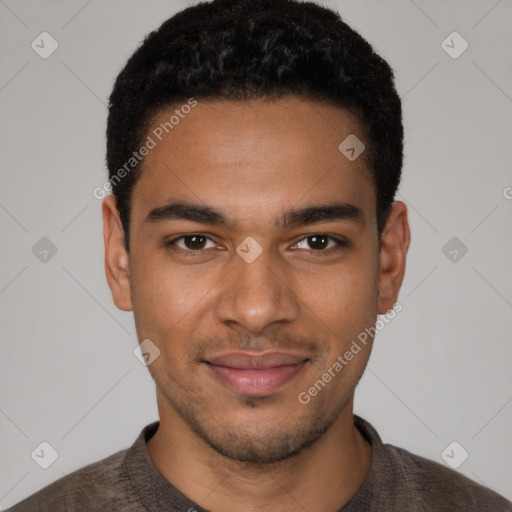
(325, 476)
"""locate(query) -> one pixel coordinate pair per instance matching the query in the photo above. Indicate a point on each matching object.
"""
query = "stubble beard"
(264, 446)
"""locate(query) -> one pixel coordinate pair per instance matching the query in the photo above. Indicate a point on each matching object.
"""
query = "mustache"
(200, 349)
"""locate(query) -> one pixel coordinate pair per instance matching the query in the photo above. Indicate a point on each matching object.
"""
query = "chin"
(262, 441)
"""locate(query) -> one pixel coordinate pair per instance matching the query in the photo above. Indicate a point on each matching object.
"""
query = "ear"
(395, 241)
(116, 257)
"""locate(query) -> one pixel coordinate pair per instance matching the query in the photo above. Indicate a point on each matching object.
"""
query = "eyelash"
(188, 252)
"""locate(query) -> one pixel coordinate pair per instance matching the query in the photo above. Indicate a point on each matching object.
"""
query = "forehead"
(254, 157)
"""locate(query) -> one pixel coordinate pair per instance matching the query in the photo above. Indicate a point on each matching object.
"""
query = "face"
(254, 264)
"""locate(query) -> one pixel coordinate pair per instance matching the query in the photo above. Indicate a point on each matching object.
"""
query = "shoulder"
(401, 480)
(101, 484)
(440, 488)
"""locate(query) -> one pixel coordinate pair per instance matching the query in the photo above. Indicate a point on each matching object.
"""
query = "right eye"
(192, 244)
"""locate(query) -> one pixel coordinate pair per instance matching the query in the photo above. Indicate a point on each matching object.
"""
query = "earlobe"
(395, 242)
(116, 257)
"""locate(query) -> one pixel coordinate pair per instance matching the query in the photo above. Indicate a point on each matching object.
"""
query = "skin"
(253, 161)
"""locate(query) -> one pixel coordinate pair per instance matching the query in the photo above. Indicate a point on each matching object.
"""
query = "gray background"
(440, 371)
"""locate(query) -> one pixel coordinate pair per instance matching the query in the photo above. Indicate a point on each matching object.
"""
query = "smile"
(255, 374)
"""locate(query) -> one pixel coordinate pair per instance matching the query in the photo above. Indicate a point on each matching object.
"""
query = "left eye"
(320, 242)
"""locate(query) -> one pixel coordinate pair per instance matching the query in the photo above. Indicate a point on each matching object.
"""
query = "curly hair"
(249, 49)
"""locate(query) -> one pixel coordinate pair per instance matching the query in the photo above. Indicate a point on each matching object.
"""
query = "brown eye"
(318, 241)
(191, 243)
(195, 242)
(321, 244)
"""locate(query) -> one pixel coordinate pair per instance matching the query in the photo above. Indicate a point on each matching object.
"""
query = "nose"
(255, 295)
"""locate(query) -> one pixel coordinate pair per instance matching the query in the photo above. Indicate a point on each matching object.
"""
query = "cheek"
(168, 300)
(345, 307)
(345, 299)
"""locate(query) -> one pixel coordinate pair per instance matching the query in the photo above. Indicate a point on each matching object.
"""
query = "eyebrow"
(180, 210)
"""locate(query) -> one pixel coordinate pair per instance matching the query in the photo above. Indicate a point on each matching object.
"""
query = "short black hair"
(252, 49)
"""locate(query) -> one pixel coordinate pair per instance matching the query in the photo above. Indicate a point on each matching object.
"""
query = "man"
(254, 149)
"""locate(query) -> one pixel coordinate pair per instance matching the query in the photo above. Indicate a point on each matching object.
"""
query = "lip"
(255, 374)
